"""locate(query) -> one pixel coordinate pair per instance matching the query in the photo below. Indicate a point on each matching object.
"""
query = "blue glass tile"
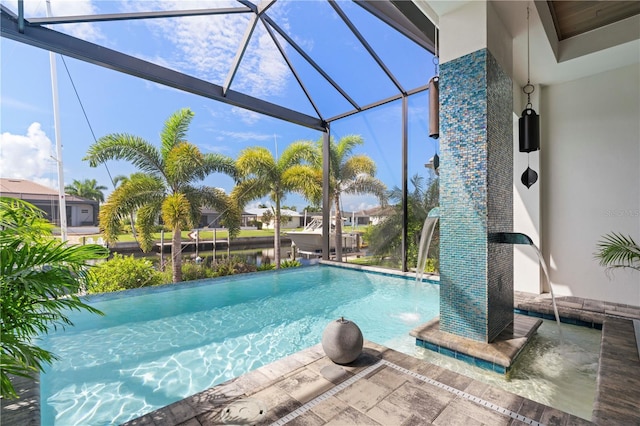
(448, 352)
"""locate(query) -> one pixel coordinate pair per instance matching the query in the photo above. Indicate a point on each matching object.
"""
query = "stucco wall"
(590, 154)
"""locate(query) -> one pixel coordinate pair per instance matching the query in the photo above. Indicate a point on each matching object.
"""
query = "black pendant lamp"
(529, 124)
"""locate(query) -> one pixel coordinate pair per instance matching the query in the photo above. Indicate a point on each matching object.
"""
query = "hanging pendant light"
(529, 123)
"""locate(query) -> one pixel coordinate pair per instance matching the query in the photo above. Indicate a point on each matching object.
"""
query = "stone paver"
(617, 398)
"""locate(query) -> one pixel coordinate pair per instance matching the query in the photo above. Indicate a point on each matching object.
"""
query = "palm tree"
(261, 175)
(349, 174)
(385, 239)
(87, 188)
(165, 186)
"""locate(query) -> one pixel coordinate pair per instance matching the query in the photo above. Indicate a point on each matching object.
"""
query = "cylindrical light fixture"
(529, 124)
(434, 108)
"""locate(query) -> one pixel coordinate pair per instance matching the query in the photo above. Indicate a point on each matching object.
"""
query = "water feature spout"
(425, 242)
(510, 238)
(519, 238)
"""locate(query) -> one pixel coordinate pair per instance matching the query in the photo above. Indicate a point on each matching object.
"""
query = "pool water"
(157, 346)
(551, 371)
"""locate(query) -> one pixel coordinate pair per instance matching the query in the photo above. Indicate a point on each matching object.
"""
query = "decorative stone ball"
(342, 341)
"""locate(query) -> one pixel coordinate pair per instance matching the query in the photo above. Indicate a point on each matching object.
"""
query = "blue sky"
(204, 47)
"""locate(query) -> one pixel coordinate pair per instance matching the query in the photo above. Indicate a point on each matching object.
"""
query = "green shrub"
(231, 266)
(194, 271)
(122, 273)
(266, 267)
(290, 263)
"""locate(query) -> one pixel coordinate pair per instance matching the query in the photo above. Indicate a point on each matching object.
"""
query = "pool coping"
(498, 356)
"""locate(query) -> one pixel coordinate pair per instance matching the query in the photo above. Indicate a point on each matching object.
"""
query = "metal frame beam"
(240, 53)
(135, 15)
(378, 103)
(311, 61)
(326, 200)
(72, 47)
(405, 178)
(389, 13)
(291, 67)
(366, 45)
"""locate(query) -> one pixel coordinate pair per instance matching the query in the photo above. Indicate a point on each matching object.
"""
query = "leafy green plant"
(123, 273)
(266, 267)
(618, 251)
(40, 278)
(194, 271)
(287, 263)
(231, 266)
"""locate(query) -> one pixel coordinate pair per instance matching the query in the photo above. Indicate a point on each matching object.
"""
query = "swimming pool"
(156, 346)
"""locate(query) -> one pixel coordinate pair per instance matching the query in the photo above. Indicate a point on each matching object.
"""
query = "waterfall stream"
(423, 248)
(519, 238)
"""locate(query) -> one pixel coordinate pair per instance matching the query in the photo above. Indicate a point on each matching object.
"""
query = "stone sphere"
(342, 341)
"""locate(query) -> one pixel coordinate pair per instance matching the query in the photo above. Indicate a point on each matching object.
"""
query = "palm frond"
(296, 153)
(140, 190)
(182, 164)
(145, 220)
(618, 251)
(256, 161)
(174, 131)
(217, 163)
(250, 189)
(230, 211)
(122, 146)
(357, 165)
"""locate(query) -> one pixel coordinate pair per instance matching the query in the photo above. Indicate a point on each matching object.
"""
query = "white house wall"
(81, 214)
(590, 154)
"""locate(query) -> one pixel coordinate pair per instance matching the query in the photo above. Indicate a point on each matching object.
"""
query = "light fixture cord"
(529, 88)
(436, 58)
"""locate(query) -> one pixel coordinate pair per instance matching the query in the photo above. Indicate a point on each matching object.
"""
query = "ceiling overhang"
(576, 29)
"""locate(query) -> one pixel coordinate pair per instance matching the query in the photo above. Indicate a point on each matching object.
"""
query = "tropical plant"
(267, 217)
(349, 174)
(618, 251)
(165, 186)
(288, 263)
(40, 278)
(385, 238)
(132, 221)
(87, 188)
(266, 267)
(261, 175)
(123, 273)
(231, 266)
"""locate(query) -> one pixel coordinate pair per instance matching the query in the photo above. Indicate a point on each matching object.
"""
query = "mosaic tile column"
(476, 196)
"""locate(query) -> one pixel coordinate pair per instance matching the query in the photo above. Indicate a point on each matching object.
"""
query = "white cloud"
(28, 156)
(247, 136)
(21, 105)
(217, 149)
(247, 117)
(85, 31)
(351, 202)
(206, 46)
